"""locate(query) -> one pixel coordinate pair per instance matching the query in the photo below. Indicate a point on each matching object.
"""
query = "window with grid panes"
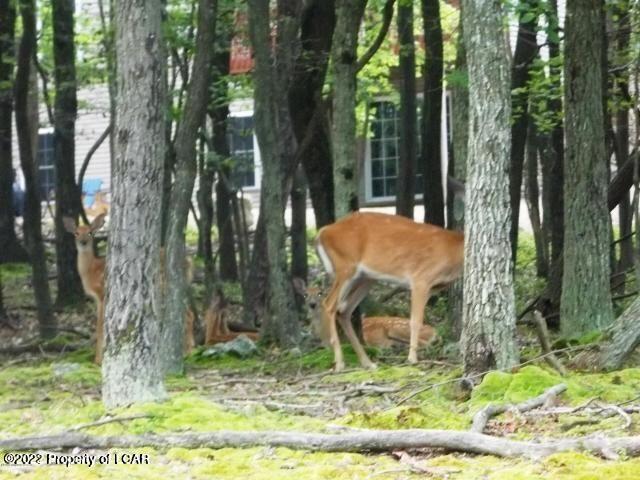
(385, 152)
(46, 166)
(242, 151)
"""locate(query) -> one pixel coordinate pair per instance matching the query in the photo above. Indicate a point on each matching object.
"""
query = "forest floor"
(43, 393)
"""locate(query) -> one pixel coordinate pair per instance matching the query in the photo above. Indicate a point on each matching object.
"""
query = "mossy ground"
(43, 397)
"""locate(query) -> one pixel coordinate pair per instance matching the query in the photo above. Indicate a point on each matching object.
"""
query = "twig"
(481, 418)
(109, 420)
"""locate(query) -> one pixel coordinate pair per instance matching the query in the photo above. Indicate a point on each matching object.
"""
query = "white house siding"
(92, 120)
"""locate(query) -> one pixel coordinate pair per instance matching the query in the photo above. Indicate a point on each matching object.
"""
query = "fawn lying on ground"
(381, 332)
(362, 248)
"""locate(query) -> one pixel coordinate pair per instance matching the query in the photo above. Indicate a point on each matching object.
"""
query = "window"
(242, 151)
(46, 166)
(384, 152)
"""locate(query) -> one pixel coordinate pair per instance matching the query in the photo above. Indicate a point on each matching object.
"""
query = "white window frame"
(242, 109)
(444, 151)
(39, 168)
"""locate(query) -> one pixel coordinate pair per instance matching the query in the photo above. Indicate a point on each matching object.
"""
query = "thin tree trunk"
(525, 52)
(186, 168)
(458, 169)
(3, 311)
(310, 121)
(10, 248)
(26, 126)
(532, 197)
(431, 114)
(553, 168)
(132, 369)
(488, 336)
(405, 191)
(586, 300)
(277, 147)
(622, 142)
(299, 265)
(224, 220)
(344, 57)
(65, 111)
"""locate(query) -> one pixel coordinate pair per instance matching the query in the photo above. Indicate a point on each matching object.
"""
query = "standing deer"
(91, 270)
(381, 332)
(364, 247)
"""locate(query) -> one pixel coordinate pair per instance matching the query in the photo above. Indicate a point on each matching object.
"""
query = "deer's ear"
(299, 286)
(69, 224)
(98, 222)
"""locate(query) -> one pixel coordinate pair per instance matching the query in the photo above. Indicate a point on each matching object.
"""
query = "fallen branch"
(545, 343)
(367, 440)
(481, 418)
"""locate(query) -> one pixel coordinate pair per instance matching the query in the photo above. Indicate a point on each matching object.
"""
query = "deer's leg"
(419, 297)
(359, 291)
(100, 332)
(339, 290)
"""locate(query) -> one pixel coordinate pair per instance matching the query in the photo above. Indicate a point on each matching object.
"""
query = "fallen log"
(481, 418)
(361, 440)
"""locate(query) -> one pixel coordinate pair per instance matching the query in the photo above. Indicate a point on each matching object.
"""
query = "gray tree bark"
(488, 335)
(621, 339)
(272, 77)
(586, 300)
(458, 169)
(132, 369)
(344, 57)
(26, 126)
(65, 111)
(431, 114)
(405, 191)
(193, 115)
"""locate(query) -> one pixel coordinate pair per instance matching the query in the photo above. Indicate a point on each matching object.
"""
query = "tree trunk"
(132, 369)
(344, 57)
(532, 197)
(193, 116)
(488, 336)
(65, 111)
(458, 169)
(299, 266)
(10, 249)
(525, 52)
(310, 121)
(272, 77)
(553, 174)
(405, 191)
(254, 294)
(3, 311)
(431, 114)
(26, 127)
(586, 300)
(224, 219)
(622, 141)
(622, 338)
